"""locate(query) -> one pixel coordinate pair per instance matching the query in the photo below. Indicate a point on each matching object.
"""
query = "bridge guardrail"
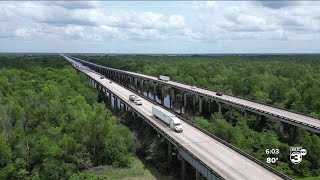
(289, 110)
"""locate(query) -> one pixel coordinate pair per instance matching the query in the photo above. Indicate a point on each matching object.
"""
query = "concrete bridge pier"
(141, 85)
(259, 122)
(184, 100)
(209, 106)
(111, 99)
(193, 105)
(162, 94)
(219, 106)
(197, 175)
(280, 124)
(181, 102)
(118, 104)
(148, 89)
(183, 168)
(169, 155)
(172, 98)
(246, 116)
(293, 132)
(115, 102)
(200, 104)
(154, 90)
(135, 83)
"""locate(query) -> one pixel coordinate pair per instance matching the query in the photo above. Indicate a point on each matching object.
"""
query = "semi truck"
(168, 118)
(164, 78)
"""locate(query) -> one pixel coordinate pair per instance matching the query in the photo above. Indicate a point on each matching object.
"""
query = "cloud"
(73, 4)
(247, 23)
(246, 20)
(78, 19)
(277, 4)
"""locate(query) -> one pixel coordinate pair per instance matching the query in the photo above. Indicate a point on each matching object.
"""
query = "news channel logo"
(296, 154)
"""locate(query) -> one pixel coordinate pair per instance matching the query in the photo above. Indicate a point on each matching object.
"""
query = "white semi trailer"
(164, 78)
(168, 118)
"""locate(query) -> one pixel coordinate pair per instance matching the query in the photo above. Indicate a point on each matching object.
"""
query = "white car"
(138, 102)
(193, 87)
(135, 99)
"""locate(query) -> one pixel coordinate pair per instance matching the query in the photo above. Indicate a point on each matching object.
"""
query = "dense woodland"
(291, 82)
(51, 125)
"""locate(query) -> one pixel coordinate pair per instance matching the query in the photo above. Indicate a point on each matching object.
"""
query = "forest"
(286, 81)
(51, 126)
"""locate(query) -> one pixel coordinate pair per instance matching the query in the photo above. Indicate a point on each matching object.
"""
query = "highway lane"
(222, 159)
(271, 111)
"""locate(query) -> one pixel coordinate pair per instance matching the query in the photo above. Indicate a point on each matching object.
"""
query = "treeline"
(50, 124)
(291, 82)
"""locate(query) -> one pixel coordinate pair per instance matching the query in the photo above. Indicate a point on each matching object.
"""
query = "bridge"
(136, 81)
(210, 156)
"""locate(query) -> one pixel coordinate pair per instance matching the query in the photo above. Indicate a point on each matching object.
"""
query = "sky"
(160, 27)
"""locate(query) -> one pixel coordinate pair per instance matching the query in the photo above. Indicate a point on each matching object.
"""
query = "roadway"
(301, 120)
(225, 161)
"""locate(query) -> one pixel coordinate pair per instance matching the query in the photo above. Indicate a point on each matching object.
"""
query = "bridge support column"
(115, 102)
(141, 86)
(162, 94)
(183, 169)
(111, 97)
(246, 114)
(169, 155)
(193, 105)
(184, 99)
(154, 91)
(219, 106)
(135, 83)
(293, 130)
(197, 175)
(148, 89)
(209, 106)
(280, 124)
(200, 104)
(181, 101)
(257, 121)
(171, 98)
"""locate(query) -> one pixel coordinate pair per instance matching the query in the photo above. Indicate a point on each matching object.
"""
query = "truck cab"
(176, 125)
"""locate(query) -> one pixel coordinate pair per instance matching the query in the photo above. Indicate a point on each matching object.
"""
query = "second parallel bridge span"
(293, 118)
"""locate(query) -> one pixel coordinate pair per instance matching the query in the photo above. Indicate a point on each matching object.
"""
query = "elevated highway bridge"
(210, 156)
(134, 80)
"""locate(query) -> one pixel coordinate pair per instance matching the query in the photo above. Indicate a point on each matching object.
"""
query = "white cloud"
(77, 19)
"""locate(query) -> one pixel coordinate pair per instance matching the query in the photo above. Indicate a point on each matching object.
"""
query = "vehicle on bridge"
(168, 118)
(102, 77)
(135, 99)
(219, 94)
(164, 78)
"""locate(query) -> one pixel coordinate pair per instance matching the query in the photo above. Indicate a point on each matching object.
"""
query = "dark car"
(219, 94)
(102, 77)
